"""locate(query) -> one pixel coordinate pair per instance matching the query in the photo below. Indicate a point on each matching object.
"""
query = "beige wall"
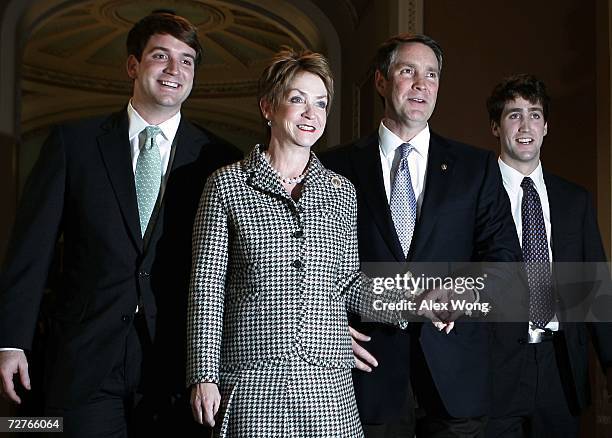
(567, 46)
(485, 41)
(604, 119)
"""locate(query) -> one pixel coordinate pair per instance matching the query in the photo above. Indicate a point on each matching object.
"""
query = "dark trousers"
(433, 420)
(402, 427)
(540, 408)
(108, 412)
(121, 408)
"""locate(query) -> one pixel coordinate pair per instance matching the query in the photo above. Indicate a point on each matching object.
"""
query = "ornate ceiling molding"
(82, 45)
(124, 88)
(73, 57)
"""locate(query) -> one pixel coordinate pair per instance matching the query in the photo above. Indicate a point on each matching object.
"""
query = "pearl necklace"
(284, 179)
(295, 180)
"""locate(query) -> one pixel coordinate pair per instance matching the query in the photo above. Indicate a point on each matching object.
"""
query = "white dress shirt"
(417, 160)
(512, 179)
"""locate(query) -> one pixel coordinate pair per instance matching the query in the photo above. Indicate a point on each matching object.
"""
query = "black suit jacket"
(464, 217)
(82, 188)
(575, 239)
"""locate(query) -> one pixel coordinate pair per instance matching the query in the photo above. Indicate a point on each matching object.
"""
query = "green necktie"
(148, 176)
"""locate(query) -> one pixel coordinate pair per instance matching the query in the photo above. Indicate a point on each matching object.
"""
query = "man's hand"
(427, 303)
(446, 326)
(468, 296)
(205, 401)
(13, 362)
(363, 358)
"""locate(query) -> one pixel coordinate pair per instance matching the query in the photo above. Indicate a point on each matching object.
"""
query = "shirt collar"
(512, 178)
(389, 142)
(137, 124)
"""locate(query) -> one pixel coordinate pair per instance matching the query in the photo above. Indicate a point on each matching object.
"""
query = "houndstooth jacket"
(272, 279)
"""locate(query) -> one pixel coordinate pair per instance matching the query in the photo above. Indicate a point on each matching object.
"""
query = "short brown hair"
(160, 23)
(385, 56)
(282, 69)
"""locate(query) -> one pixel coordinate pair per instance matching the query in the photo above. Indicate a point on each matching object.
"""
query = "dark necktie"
(535, 254)
(402, 202)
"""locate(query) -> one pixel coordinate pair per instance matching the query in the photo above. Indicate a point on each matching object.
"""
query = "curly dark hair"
(522, 85)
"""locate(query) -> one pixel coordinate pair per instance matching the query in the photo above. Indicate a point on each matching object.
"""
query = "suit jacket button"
(126, 318)
(298, 234)
(143, 274)
(297, 264)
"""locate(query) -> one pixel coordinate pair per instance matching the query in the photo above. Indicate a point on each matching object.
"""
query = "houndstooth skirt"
(294, 400)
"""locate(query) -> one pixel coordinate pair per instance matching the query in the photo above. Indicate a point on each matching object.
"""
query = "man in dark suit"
(123, 192)
(541, 367)
(454, 210)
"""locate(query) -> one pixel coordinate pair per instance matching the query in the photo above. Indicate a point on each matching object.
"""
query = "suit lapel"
(440, 162)
(555, 203)
(366, 161)
(115, 146)
(186, 148)
(557, 214)
(188, 144)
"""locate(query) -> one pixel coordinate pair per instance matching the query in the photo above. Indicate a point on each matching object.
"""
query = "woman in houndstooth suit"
(275, 269)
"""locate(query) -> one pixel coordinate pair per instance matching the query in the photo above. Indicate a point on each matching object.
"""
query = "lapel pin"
(444, 166)
(336, 182)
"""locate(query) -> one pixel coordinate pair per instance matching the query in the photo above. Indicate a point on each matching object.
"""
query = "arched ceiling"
(74, 58)
(83, 45)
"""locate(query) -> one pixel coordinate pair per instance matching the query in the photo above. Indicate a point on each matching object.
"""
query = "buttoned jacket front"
(272, 278)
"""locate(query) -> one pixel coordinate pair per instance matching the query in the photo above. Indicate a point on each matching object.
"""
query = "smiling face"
(163, 77)
(299, 119)
(410, 90)
(521, 131)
